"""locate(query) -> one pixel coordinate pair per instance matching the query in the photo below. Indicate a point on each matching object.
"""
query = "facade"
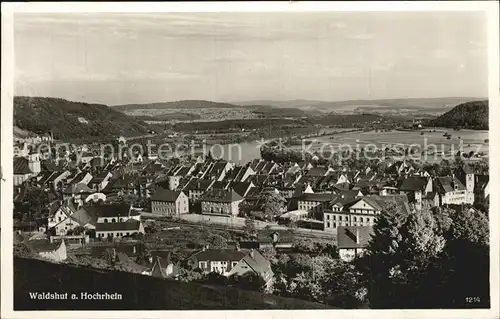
(220, 202)
(118, 229)
(363, 211)
(169, 203)
(451, 191)
(61, 221)
(220, 261)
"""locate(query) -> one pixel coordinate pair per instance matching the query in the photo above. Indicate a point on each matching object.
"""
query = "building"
(253, 263)
(352, 241)
(451, 190)
(99, 182)
(314, 203)
(361, 211)
(221, 202)
(118, 229)
(197, 187)
(415, 188)
(22, 171)
(169, 203)
(220, 261)
(467, 177)
(62, 220)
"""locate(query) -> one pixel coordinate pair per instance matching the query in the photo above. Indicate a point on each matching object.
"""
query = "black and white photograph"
(233, 159)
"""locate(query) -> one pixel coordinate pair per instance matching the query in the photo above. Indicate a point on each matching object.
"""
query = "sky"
(113, 58)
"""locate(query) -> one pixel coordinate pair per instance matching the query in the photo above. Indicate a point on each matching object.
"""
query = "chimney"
(252, 253)
(357, 235)
(237, 247)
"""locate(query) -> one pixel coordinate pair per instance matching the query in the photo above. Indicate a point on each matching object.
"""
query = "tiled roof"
(21, 166)
(165, 195)
(317, 171)
(198, 184)
(257, 262)
(447, 184)
(413, 183)
(240, 187)
(220, 185)
(130, 225)
(77, 189)
(218, 195)
(346, 236)
(111, 210)
(314, 197)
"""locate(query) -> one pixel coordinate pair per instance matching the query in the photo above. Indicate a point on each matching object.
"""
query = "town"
(258, 226)
(241, 159)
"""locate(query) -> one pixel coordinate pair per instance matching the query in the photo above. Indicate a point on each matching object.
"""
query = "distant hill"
(427, 104)
(469, 115)
(188, 110)
(139, 292)
(281, 104)
(67, 119)
(184, 104)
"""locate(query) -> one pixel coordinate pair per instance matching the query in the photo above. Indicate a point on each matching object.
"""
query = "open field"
(463, 140)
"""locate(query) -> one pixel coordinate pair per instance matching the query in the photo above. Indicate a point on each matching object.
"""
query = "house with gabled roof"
(242, 188)
(60, 219)
(415, 188)
(361, 211)
(352, 241)
(253, 263)
(169, 203)
(220, 261)
(451, 190)
(220, 202)
(99, 182)
(22, 171)
(239, 173)
(196, 187)
(119, 229)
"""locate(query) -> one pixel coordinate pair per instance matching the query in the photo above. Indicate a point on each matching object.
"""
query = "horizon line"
(259, 100)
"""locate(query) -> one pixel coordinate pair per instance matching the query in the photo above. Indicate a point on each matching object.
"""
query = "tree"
(36, 199)
(217, 242)
(268, 252)
(249, 228)
(271, 204)
(303, 245)
(403, 246)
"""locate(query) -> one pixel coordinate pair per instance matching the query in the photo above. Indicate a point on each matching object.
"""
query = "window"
(328, 224)
(105, 220)
(354, 218)
(334, 217)
(361, 219)
(113, 220)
